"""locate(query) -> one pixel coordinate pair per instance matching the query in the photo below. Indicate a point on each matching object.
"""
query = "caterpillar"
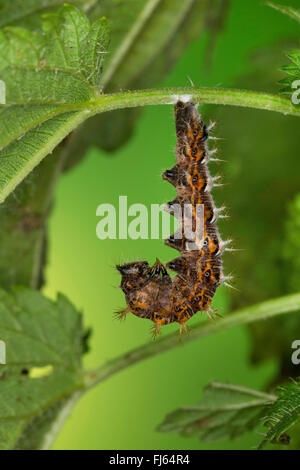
(150, 292)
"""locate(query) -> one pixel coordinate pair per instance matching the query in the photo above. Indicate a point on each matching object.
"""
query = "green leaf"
(286, 10)
(57, 67)
(20, 157)
(283, 414)
(291, 248)
(92, 57)
(43, 429)
(28, 12)
(43, 370)
(224, 411)
(292, 81)
(23, 226)
(293, 69)
(43, 73)
(142, 36)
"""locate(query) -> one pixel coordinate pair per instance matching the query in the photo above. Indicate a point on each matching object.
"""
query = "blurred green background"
(263, 175)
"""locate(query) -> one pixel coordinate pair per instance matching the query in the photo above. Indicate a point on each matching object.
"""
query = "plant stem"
(244, 98)
(204, 95)
(259, 312)
(130, 99)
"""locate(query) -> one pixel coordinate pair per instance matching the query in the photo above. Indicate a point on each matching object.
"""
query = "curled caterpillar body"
(150, 292)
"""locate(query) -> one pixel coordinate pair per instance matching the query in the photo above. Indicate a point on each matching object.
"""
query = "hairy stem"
(131, 99)
(244, 98)
(259, 312)
(109, 102)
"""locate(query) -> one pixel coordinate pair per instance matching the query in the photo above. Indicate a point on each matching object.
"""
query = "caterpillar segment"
(149, 290)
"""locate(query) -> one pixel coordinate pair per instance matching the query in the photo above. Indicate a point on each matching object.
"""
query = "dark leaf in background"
(286, 10)
(291, 247)
(27, 13)
(148, 37)
(283, 414)
(43, 72)
(263, 174)
(43, 365)
(293, 71)
(225, 411)
(23, 226)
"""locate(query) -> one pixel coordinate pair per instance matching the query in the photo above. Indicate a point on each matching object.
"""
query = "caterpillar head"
(134, 275)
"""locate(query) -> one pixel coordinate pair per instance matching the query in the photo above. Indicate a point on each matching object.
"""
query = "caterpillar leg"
(121, 314)
(183, 329)
(212, 313)
(155, 330)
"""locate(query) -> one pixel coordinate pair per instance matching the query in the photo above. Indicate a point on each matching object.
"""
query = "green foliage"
(51, 75)
(42, 73)
(147, 38)
(286, 10)
(291, 247)
(23, 226)
(43, 377)
(224, 411)
(264, 189)
(141, 35)
(43, 371)
(62, 65)
(293, 72)
(59, 73)
(293, 69)
(283, 414)
(28, 12)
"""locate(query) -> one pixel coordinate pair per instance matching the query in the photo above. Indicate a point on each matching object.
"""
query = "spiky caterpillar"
(150, 292)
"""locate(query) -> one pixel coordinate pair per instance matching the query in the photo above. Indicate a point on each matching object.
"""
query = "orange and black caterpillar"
(150, 292)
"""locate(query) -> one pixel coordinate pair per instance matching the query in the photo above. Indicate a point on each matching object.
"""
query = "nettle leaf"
(43, 374)
(28, 12)
(291, 251)
(283, 414)
(286, 10)
(43, 74)
(224, 411)
(292, 81)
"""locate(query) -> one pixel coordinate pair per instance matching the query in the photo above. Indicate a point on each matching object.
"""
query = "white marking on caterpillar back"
(223, 246)
(230, 286)
(224, 280)
(224, 216)
(218, 214)
(216, 160)
(212, 152)
(216, 178)
(212, 137)
(210, 126)
(209, 185)
(211, 182)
